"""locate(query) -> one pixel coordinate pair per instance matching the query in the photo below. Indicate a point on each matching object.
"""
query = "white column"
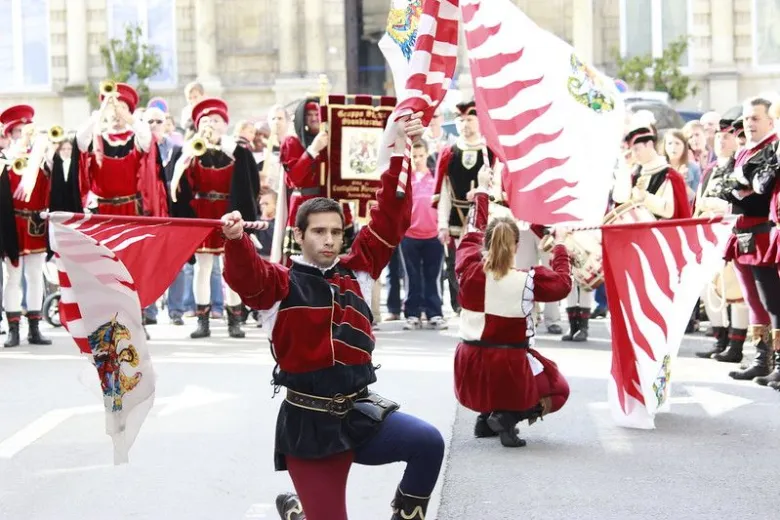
(314, 12)
(206, 45)
(582, 29)
(290, 39)
(722, 29)
(76, 20)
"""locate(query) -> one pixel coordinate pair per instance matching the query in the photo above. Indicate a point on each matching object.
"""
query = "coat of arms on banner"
(361, 147)
(661, 384)
(402, 25)
(587, 87)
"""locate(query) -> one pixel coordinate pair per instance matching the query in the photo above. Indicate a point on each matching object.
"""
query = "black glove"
(764, 178)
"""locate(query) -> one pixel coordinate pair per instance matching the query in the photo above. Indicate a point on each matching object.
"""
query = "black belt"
(26, 213)
(764, 227)
(478, 343)
(116, 201)
(338, 405)
(316, 191)
(212, 195)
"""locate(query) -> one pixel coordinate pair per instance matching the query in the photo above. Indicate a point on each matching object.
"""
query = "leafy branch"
(661, 74)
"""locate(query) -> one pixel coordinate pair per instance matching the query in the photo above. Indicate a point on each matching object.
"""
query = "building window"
(766, 40)
(669, 21)
(157, 19)
(24, 44)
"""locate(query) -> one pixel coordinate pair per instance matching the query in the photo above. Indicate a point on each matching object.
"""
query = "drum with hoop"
(726, 286)
(587, 259)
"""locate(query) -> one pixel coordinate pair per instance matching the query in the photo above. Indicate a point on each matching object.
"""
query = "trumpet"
(107, 88)
(56, 134)
(19, 164)
(199, 146)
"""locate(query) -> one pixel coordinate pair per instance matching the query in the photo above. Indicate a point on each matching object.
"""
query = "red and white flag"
(430, 72)
(555, 122)
(654, 273)
(110, 268)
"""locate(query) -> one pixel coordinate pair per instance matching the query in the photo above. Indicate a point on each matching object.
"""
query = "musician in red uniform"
(319, 317)
(497, 372)
(24, 193)
(302, 156)
(114, 159)
(219, 180)
(749, 190)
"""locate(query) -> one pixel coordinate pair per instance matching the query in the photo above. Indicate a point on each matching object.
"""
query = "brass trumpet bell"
(19, 164)
(107, 88)
(198, 146)
(56, 134)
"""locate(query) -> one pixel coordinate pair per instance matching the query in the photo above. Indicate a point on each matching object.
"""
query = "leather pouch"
(375, 407)
(746, 243)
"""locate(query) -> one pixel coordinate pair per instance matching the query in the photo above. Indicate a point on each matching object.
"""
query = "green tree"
(661, 74)
(130, 60)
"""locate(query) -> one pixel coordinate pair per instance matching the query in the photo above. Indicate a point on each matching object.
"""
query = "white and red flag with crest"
(654, 273)
(110, 268)
(430, 70)
(555, 122)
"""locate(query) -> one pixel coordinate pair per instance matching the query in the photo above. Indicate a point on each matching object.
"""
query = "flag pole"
(63, 216)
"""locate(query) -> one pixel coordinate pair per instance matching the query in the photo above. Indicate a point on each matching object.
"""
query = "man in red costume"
(24, 193)
(456, 174)
(302, 156)
(319, 317)
(117, 161)
(219, 180)
(749, 189)
(653, 183)
(497, 372)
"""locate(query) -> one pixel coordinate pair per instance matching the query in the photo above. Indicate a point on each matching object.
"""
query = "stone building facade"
(259, 52)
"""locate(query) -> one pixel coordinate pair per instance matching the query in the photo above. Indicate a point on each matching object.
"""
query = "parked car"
(690, 116)
(665, 116)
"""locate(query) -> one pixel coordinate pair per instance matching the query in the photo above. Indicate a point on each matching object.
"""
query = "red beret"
(208, 107)
(311, 105)
(127, 94)
(17, 115)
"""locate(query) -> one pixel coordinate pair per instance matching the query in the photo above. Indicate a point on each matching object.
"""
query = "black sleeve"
(65, 194)
(9, 241)
(182, 207)
(243, 196)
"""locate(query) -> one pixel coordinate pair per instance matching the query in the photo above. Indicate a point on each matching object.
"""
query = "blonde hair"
(501, 239)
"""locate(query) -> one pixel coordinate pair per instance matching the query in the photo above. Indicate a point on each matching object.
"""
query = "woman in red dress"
(497, 372)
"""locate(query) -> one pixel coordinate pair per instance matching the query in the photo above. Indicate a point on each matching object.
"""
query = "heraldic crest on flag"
(402, 23)
(111, 357)
(589, 88)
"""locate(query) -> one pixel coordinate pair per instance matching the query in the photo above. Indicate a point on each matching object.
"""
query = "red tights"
(321, 485)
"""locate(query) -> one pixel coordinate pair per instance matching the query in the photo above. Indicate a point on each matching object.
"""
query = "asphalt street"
(205, 451)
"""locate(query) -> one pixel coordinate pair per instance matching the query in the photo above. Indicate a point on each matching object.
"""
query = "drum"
(587, 260)
(726, 285)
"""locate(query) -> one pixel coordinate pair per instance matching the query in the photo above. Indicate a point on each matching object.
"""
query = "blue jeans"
(601, 296)
(394, 275)
(217, 298)
(423, 261)
(176, 307)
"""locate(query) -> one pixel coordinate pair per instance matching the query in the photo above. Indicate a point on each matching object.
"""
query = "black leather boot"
(721, 342)
(289, 507)
(234, 322)
(733, 352)
(407, 507)
(481, 428)
(774, 376)
(34, 336)
(574, 323)
(762, 363)
(582, 333)
(13, 329)
(503, 423)
(775, 386)
(203, 330)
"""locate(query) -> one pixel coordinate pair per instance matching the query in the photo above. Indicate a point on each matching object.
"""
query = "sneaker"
(412, 324)
(437, 323)
(289, 507)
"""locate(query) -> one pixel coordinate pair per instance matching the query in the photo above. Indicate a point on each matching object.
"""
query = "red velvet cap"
(17, 115)
(208, 107)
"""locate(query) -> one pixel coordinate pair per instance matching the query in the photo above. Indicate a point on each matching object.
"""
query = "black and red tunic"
(22, 231)
(320, 322)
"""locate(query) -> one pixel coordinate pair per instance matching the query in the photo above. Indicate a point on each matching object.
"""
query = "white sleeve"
(661, 203)
(143, 134)
(228, 145)
(445, 205)
(85, 133)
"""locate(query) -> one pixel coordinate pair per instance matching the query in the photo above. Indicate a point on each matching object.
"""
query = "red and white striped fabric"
(654, 274)
(431, 68)
(109, 269)
(555, 122)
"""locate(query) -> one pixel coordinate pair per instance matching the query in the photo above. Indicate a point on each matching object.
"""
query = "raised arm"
(298, 163)
(391, 216)
(553, 284)
(259, 283)
(469, 250)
